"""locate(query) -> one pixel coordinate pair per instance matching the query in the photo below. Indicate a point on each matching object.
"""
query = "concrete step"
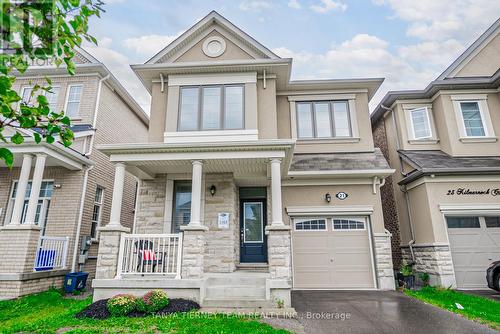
(253, 267)
(237, 303)
(238, 279)
(236, 291)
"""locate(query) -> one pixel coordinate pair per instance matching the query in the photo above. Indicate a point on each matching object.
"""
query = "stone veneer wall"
(279, 249)
(391, 220)
(222, 246)
(14, 289)
(151, 206)
(434, 260)
(383, 258)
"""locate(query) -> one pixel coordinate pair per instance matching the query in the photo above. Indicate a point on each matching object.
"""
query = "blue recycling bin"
(75, 281)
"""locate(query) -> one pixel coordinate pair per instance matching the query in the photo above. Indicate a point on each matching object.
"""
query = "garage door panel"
(332, 259)
(472, 250)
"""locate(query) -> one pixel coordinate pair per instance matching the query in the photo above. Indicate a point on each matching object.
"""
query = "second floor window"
(473, 122)
(323, 119)
(420, 123)
(73, 100)
(211, 108)
(51, 96)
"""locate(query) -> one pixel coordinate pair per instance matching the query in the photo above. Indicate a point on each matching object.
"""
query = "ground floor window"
(96, 211)
(181, 213)
(42, 209)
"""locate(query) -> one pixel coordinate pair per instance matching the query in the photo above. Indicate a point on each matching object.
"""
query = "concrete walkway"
(376, 312)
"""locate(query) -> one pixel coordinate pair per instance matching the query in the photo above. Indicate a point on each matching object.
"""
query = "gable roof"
(472, 50)
(193, 32)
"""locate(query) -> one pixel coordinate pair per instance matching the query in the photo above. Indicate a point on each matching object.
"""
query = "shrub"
(121, 305)
(425, 278)
(407, 270)
(153, 301)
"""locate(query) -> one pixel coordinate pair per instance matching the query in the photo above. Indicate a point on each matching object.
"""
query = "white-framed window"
(459, 222)
(73, 98)
(211, 107)
(420, 123)
(472, 118)
(51, 96)
(323, 119)
(42, 209)
(96, 211)
(348, 223)
(315, 224)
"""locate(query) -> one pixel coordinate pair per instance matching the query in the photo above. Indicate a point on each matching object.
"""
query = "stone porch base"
(434, 260)
(16, 285)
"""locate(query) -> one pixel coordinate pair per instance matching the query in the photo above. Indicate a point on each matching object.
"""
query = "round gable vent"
(214, 46)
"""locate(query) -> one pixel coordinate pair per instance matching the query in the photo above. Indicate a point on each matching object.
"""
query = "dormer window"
(211, 107)
(323, 119)
(473, 121)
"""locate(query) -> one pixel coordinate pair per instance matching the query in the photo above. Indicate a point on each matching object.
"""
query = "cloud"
(148, 45)
(328, 5)
(362, 56)
(255, 5)
(433, 20)
(117, 63)
(295, 4)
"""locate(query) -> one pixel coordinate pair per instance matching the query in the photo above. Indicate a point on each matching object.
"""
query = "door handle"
(331, 260)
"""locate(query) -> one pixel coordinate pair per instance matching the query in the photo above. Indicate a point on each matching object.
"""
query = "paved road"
(376, 312)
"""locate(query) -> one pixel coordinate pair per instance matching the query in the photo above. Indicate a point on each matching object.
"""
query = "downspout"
(403, 189)
(80, 217)
(96, 109)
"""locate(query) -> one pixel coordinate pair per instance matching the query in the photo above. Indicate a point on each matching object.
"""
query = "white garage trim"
(308, 211)
(469, 209)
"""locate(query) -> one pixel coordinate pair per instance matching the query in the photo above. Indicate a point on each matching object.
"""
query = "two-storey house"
(251, 184)
(54, 199)
(443, 143)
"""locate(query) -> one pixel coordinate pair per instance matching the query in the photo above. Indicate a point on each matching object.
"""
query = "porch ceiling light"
(212, 190)
(328, 197)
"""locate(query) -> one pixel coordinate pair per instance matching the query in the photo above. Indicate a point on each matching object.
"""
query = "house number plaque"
(467, 192)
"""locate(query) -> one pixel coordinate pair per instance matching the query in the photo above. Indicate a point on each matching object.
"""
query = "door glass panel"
(492, 221)
(462, 222)
(253, 224)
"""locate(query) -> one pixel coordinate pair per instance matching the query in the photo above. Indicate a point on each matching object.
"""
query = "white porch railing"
(150, 254)
(51, 253)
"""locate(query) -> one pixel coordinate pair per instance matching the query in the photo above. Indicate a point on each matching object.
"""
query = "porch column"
(35, 188)
(193, 234)
(196, 186)
(116, 201)
(277, 212)
(110, 235)
(21, 189)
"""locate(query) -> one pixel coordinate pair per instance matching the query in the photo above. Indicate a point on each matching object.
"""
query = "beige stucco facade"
(450, 173)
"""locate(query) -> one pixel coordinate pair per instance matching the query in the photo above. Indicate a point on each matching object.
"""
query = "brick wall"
(391, 220)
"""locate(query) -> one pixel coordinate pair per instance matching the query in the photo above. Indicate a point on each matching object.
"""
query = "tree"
(35, 31)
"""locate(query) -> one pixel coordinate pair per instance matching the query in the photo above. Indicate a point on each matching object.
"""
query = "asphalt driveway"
(375, 312)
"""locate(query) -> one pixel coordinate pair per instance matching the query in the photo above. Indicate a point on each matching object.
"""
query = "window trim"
(359, 218)
(222, 119)
(99, 219)
(481, 114)
(331, 115)
(68, 89)
(427, 114)
(482, 101)
(304, 219)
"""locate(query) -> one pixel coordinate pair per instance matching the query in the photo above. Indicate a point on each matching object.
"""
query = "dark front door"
(253, 246)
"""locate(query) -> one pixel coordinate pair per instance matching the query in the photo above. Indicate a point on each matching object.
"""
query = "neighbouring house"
(443, 143)
(54, 199)
(251, 184)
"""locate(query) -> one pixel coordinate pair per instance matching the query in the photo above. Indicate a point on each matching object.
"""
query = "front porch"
(224, 246)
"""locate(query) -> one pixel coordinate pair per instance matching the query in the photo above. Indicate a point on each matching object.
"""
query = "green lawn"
(47, 312)
(476, 308)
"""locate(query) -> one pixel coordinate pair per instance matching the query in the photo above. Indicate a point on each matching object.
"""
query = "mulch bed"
(99, 309)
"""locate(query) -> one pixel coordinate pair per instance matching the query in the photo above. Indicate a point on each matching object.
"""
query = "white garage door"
(475, 243)
(333, 253)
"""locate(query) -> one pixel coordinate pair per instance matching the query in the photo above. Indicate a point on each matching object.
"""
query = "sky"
(407, 42)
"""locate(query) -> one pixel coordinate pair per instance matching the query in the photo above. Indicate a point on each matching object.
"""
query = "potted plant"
(425, 278)
(408, 277)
